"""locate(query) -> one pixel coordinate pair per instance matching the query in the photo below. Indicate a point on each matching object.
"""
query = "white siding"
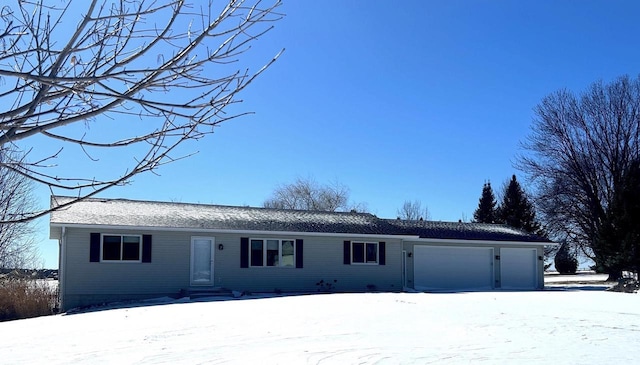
(87, 282)
(323, 260)
(169, 271)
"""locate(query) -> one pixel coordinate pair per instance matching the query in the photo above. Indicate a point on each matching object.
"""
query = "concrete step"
(205, 292)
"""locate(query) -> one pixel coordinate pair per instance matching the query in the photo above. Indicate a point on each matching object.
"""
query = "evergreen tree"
(516, 210)
(486, 212)
(619, 238)
(565, 260)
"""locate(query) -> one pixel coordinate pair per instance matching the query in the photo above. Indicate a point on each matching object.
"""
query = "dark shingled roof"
(134, 213)
(464, 231)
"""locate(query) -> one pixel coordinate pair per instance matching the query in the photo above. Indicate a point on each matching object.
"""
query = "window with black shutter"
(119, 248)
(364, 253)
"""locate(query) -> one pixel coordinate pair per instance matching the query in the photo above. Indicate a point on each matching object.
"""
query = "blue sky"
(425, 100)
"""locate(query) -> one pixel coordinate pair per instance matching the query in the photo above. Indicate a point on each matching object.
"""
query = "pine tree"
(516, 210)
(486, 212)
(619, 238)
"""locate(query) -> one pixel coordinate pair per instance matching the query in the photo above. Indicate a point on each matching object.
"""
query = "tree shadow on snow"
(252, 296)
(586, 287)
(183, 300)
(554, 288)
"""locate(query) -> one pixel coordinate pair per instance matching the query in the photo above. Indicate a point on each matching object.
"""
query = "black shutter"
(382, 255)
(94, 248)
(244, 252)
(146, 248)
(347, 252)
(299, 254)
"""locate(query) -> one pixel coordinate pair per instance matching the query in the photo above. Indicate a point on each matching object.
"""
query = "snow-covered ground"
(584, 277)
(561, 325)
(50, 283)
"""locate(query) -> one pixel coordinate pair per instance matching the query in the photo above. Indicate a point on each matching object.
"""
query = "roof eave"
(229, 231)
(483, 241)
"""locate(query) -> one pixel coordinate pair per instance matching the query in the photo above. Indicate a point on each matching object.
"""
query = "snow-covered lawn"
(580, 277)
(552, 327)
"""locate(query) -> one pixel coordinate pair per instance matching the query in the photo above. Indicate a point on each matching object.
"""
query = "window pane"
(287, 253)
(372, 252)
(111, 247)
(272, 252)
(358, 252)
(201, 270)
(256, 253)
(272, 245)
(131, 239)
(131, 248)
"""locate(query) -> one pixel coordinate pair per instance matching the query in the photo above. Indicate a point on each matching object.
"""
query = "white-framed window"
(121, 248)
(365, 253)
(272, 252)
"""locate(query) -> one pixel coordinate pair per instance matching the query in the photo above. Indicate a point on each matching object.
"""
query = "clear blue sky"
(396, 100)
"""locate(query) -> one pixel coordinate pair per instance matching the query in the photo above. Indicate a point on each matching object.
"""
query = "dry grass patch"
(25, 298)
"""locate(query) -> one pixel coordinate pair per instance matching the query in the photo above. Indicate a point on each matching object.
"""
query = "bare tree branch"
(307, 194)
(17, 247)
(159, 73)
(579, 149)
(413, 211)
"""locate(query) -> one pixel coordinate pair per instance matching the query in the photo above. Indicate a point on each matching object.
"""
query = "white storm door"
(202, 260)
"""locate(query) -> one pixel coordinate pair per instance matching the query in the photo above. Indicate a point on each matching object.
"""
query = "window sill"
(272, 267)
(120, 262)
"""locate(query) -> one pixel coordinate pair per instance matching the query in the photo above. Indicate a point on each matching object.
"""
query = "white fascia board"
(231, 231)
(477, 242)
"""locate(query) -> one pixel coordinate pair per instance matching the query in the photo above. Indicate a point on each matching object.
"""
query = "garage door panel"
(453, 268)
(518, 268)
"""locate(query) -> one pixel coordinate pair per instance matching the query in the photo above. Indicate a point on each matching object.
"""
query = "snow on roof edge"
(130, 212)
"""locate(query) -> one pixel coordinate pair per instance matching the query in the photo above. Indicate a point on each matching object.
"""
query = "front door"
(202, 260)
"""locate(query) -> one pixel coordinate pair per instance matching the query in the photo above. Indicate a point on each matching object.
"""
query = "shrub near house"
(565, 261)
(26, 298)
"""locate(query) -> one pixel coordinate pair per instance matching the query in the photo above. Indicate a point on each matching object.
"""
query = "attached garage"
(518, 268)
(453, 268)
(458, 256)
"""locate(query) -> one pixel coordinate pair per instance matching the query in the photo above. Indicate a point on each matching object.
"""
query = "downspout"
(62, 265)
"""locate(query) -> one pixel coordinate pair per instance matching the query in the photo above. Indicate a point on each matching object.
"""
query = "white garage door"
(452, 268)
(518, 268)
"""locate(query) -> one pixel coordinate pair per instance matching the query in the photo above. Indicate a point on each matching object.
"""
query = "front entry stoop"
(206, 292)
